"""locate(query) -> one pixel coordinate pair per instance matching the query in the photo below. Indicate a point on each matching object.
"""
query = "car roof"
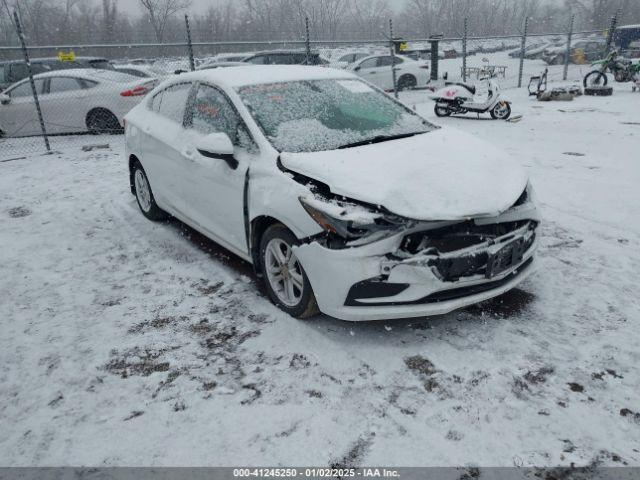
(262, 74)
(269, 52)
(54, 59)
(90, 74)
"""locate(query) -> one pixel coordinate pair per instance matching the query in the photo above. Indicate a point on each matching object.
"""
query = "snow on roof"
(254, 75)
(90, 73)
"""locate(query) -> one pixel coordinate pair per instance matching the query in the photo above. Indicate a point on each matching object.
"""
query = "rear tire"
(101, 120)
(285, 279)
(441, 111)
(144, 194)
(595, 79)
(407, 82)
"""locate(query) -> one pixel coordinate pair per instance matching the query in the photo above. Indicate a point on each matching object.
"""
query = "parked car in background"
(343, 61)
(626, 36)
(376, 69)
(15, 70)
(582, 51)
(139, 71)
(284, 57)
(225, 57)
(211, 66)
(538, 52)
(72, 101)
(343, 199)
(633, 50)
(516, 53)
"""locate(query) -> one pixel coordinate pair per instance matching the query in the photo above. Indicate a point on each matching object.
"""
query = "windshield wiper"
(378, 139)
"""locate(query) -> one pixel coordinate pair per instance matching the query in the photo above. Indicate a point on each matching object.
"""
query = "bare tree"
(160, 11)
(109, 18)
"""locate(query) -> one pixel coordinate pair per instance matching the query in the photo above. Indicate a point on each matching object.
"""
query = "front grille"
(464, 235)
(451, 294)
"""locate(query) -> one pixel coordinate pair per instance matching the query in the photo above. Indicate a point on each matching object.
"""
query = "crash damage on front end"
(370, 264)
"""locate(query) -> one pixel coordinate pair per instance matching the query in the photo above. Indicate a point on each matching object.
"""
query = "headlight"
(352, 222)
(526, 197)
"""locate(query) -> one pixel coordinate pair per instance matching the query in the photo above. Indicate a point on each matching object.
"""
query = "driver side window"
(212, 112)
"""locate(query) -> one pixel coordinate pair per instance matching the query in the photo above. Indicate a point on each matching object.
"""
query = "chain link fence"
(79, 94)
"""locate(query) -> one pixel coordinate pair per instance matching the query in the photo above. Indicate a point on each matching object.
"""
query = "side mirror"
(5, 99)
(357, 68)
(218, 145)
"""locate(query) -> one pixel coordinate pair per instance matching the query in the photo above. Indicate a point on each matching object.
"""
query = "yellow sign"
(404, 46)
(67, 57)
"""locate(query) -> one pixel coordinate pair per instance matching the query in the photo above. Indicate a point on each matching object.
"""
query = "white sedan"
(72, 101)
(343, 199)
(376, 69)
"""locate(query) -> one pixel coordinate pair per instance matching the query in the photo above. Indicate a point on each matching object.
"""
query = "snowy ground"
(126, 342)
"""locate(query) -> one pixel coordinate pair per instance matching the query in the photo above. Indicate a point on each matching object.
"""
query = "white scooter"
(460, 98)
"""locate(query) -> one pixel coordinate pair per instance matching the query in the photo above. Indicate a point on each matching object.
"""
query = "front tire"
(285, 279)
(502, 111)
(595, 79)
(144, 194)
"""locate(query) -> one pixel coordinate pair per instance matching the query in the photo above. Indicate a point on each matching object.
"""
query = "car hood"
(441, 175)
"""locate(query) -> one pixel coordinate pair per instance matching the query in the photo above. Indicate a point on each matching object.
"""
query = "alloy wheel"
(284, 272)
(143, 192)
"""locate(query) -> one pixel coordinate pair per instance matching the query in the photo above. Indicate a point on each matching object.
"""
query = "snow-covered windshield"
(318, 115)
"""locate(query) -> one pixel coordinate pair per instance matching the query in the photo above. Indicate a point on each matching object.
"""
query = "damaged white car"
(343, 199)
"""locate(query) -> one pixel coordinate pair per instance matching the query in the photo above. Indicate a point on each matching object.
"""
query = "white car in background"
(376, 69)
(72, 101)
(346, 59)
(139, 71)
(225, 57)
(343, 199)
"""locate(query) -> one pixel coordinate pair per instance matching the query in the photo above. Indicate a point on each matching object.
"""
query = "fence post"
(192, 63)
(33, 84)
(434, 58)
(567, 56)
(612, 32)
(522, 50)
(307, 41)
(393, 60)
(464, 49)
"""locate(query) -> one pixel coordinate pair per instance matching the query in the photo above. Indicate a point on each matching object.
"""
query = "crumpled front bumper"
(373, 282)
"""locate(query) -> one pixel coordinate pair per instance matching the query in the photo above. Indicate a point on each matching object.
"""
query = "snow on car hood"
(441, 175)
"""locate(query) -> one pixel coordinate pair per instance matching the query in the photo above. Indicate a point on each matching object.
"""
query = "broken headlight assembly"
(348, 224)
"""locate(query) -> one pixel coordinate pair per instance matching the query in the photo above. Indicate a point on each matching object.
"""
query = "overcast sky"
(133, 6)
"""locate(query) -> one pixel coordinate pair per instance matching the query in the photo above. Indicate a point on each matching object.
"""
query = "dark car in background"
(582, 51)
(15, 70)
(285, 57)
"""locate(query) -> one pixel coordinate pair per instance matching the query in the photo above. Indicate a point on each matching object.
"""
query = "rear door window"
(174, 101)
(63, 84)
(258, 60)
(387, 61)
(370, 63)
